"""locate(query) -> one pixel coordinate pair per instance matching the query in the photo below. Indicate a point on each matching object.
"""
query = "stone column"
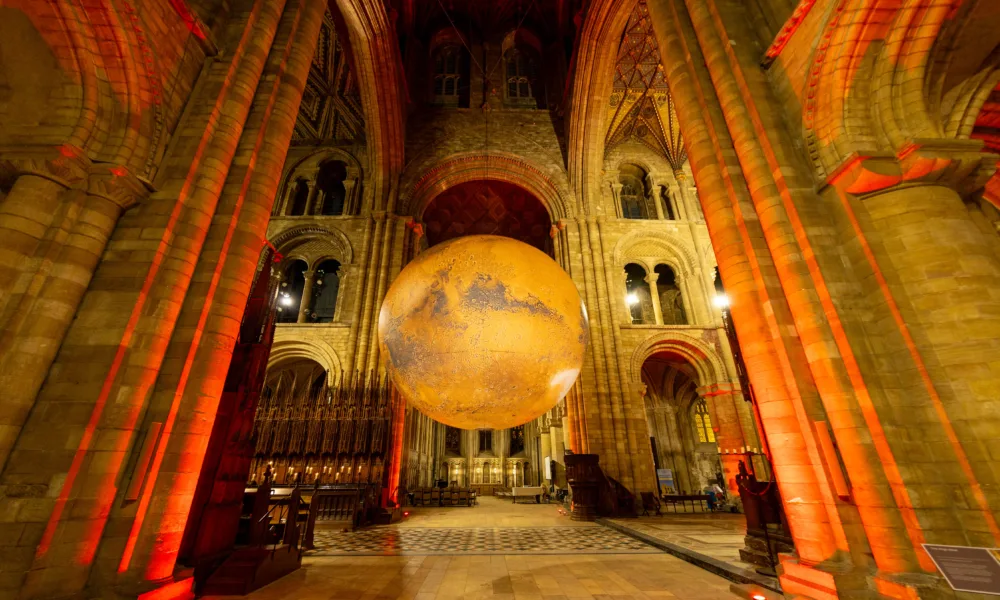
(654, 195)
(567, 434)
(788, 396)
(651, 278)
(616, 194)
(349, 196)
(351, 186)
(43, 300)
(314, 205)
(305, 302)
(678, 201)
(546, 438)
(726, 424)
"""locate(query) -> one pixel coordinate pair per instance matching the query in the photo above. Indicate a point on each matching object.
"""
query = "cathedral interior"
(781, 219)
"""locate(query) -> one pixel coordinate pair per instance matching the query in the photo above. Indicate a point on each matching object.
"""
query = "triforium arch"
(307, 169)
(329, 242)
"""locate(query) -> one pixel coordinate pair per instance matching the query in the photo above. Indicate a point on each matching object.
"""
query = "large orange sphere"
(483, 332)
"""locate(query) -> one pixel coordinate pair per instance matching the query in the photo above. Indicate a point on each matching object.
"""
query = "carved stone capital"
(958, 164)
(66, 165)
(117, 185)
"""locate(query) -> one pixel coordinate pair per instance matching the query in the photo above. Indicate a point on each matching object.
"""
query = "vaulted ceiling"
(640, 107)
(331, 105)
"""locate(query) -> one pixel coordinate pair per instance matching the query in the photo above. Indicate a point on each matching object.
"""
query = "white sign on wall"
(548, 468)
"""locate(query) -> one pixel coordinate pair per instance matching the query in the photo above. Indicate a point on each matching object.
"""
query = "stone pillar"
(41, 304)
(351, 182)
(728, 428)
(655, 295)
(654, 195)
(567, 434)
(314, 205)
(305, 302)
(349, 196)
(691, 212)
(675, 196)
(546, 438)
(616, 193)
(788, 396)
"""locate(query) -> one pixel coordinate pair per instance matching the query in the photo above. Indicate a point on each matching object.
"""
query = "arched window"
(452, 440)
(703, 422)
(671, 303)
(637, 296)
(326, 289)
(635, 202)
(300, 198)
(448, 81)
(485, 440)
(290, 294)
(330, 184)
(522, 75)
(516, 440)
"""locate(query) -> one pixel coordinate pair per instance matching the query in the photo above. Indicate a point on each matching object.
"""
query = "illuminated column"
(788, 398)
(651, 278)
(270, 80)
(721, 400)
(314, 205)
(63, 210)
(616, 193)
(546, 438)
(679, 205)
(654, 195)
(305, 302)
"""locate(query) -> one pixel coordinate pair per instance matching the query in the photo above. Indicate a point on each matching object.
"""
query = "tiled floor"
(522, 552)
(460, 540)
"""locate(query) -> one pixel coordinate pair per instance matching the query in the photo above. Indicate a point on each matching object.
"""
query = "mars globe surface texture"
(483, 332)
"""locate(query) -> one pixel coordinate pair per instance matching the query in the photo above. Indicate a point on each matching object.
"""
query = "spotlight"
(722, 301)
(406, 513)
(632, 299)
(759, 597)
(286, 300)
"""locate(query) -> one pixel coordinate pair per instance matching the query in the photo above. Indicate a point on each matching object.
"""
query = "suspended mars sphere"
(483, 332)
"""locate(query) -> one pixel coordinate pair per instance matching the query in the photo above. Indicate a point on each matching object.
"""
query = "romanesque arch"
(473, 167)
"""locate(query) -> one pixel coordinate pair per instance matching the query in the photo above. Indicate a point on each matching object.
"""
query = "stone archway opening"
(488, 207)
(682, 432)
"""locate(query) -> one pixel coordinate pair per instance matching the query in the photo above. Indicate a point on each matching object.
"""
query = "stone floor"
(718, 535)
(715, 536)
(516, 552)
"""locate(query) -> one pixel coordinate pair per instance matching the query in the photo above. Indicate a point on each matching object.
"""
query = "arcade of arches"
(175, 173)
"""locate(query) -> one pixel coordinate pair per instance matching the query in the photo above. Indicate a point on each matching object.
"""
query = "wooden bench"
(683, 499)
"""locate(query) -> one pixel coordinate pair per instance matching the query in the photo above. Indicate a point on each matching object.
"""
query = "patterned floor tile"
(393, 541)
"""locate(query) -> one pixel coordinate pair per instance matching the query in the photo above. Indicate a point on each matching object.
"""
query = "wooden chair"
(463, 497)
(425, 498)
(650, 503)
(436, 497)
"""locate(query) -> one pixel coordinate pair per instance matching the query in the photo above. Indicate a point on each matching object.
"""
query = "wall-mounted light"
(632, 299)
(721, 301)
(286, 300)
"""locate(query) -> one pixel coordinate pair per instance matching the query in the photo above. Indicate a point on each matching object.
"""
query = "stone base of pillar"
(822, 583)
